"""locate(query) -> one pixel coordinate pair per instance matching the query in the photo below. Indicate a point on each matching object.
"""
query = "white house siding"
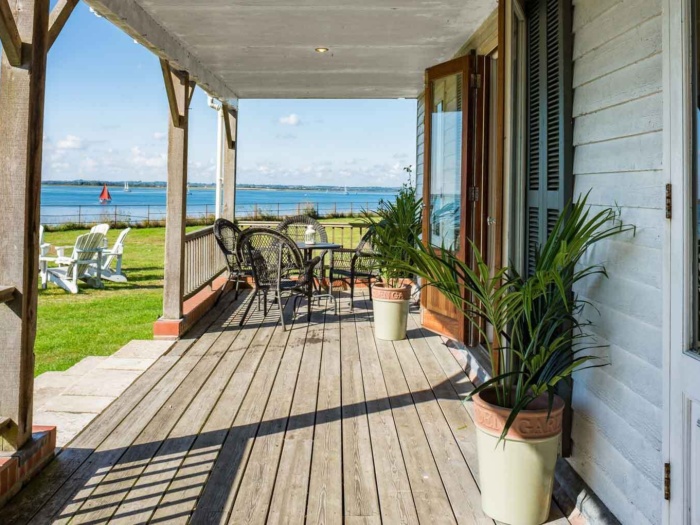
(618, 107)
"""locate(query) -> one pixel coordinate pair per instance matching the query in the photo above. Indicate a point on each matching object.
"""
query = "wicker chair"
(295, 227)
(348, 264)
(277, 264)
(227, 236)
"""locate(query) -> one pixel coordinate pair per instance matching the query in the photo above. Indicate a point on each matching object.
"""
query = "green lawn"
(99, 322)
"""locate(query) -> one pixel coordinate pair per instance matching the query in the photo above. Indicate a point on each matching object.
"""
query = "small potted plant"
(395, 226)
(536, 338)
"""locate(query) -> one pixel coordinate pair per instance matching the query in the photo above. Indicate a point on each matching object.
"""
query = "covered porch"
(319, 424)
(322, 423)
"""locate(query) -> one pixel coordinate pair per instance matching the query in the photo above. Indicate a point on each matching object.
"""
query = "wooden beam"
(9, 35)
(141, 26)
(6, 293)
(176, 204)
(169, 79)
(230, 125)
(190, 93)
(21, 128)
(58, 18)
(230, 116)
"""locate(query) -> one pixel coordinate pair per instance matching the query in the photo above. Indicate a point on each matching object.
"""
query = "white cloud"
(159, 135)
(142, 159)
(70, 142)
(290, 120)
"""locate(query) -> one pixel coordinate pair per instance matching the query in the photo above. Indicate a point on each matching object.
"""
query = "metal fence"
(154, 215)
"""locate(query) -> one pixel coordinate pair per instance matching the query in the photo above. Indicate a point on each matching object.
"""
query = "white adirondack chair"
(97, 228)
(43, 246)
(87, 253)
(110, 256)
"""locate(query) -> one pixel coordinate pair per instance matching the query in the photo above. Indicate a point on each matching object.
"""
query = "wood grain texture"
(59, 16)
(318, 424)
(177, 89)
(21, 128)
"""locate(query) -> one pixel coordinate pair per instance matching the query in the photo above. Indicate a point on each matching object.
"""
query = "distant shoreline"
(200, 186)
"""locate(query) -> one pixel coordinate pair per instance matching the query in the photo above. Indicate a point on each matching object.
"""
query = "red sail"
(105, 196)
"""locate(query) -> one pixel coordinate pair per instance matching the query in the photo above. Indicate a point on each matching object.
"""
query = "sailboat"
(346, 190)
(126, 187)
(105, 197)
(189, 191)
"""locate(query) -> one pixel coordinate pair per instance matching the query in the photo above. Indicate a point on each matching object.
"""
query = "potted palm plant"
(536, 338)
(396, 226)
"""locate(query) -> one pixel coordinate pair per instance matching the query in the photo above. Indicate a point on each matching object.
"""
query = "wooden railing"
(204, 261)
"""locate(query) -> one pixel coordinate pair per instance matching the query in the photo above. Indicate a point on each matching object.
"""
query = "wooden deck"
(319, 424)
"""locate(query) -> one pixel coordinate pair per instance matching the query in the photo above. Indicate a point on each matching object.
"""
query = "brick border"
(16, 469)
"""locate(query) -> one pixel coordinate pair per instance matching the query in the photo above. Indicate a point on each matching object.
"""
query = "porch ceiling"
(265, 48)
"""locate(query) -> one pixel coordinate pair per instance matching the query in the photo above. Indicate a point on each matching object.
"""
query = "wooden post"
(179, 91)
(21, 134)
(230, 116)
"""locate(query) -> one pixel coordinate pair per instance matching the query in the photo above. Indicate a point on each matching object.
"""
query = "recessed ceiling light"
(321, 49)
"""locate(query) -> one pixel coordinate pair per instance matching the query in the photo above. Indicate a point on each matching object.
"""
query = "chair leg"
(238, 282)
(265, 305)
(247, 308)
(309, 299)
(352, 290)
(279, 304)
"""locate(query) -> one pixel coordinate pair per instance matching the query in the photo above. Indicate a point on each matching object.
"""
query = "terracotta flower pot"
(517, 475)
(390, 311)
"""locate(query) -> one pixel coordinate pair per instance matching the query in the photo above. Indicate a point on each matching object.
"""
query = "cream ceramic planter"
(390, 311)
(517, 476)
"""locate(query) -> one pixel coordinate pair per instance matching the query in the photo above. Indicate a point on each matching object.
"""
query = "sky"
(106, 118)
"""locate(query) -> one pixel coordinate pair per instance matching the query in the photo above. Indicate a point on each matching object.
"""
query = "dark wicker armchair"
(348, 264)
(278, 265)
(295, 227)
(227, 236)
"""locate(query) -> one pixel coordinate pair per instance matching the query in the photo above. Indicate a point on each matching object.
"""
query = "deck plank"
(429, 494)
(219, 494)
(290, 494)
(360, 496)
(255, 492)
(114, 485)
(318, 424)
(325, 501)
(70, 459)
(149, 488)
(395, 496)
(122, 434)
(191, 478)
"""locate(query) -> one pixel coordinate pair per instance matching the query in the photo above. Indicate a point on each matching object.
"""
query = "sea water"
(61, 204)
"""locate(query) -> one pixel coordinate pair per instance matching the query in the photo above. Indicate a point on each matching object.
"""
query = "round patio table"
(308, 253)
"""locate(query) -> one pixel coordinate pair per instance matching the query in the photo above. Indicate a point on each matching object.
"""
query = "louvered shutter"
(549, 120)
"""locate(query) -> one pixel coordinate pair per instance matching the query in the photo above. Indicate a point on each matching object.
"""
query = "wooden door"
(452, 167)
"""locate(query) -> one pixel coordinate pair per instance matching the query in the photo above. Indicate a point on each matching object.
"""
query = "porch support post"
(21, 134)
(230, 116)
(179, 91)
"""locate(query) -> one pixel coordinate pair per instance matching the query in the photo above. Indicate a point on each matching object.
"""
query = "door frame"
(677, 271)
(456, 65)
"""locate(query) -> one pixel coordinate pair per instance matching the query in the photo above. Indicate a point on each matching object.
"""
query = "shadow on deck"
(318, 424)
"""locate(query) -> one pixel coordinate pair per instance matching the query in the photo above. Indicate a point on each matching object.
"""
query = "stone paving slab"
(103, 382)
(77, 404)
(125, 363)
(71, 399)
(141, 349)
(68, 425)
(85, 365)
